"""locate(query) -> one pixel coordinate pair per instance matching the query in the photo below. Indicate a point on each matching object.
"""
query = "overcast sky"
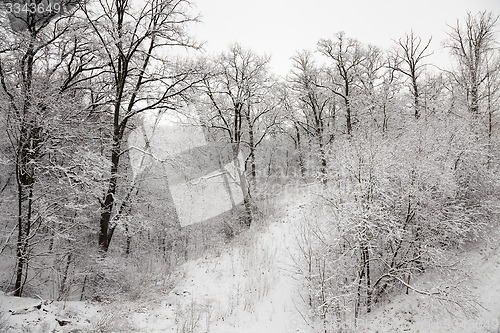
(281, 27)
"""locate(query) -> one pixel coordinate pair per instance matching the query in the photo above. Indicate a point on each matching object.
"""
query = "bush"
(396, 207)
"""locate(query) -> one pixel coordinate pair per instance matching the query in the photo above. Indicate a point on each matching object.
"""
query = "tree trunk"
(474, 96)
(368, 280)
(246, 196)
(270, 163)
(358, 294)
(128, 241)
(348, 116)
(63, 290)
(300, 153)
(243, 185)
(27, 148)
(24, 230)
(416, 97)
(109, 198)
(251, 142)
(324, 177)
(236, 140)
(21, 238)
(25, 171)
(490, 121)
(322, 154)
(384, 123)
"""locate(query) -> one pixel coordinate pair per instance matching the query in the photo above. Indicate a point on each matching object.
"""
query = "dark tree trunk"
(490, 122)
(128, 241)
(21, 238)
(322, 153)
(416, 96)
(25, 202)
(300, 153)
(29, 142)
(324, 176)
(29, 145)
(348, 117)
(253, 171)
(384, 123)
(368, 280)
(347, 102)
(109, 198)
(358, 293)
(63, 288)
(474, 96)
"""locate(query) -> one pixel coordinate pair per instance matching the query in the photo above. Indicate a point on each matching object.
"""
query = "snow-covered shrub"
(397, 206)
(109, 322)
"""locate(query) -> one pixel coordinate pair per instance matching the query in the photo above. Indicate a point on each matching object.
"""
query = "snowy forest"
(149, 186)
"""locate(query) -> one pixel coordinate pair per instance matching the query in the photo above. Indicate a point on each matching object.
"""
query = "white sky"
(279, 28)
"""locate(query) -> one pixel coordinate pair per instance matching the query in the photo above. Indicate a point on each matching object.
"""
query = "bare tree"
(372, 80)
(315, 104)
(408, 60)
(471, 44)
(262, 116)
(291, 127)
(347, 55)
(133, 40)
(492, 96)
(388, 89)
(238, 94)
(45, 65)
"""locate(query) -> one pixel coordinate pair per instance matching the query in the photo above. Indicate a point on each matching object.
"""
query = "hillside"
(252, 286)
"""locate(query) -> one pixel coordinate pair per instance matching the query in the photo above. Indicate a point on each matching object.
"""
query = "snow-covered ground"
(419, 314)
(250, 287)
(247, 287)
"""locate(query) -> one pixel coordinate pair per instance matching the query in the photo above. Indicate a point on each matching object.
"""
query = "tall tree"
(471, 45)
(133, 39)
(290, 126)
(262, 116)
(238, 94)
(372, 82)
(408, 60)
(315, 103)
(44, 64)
(347, 55)
(492, 96)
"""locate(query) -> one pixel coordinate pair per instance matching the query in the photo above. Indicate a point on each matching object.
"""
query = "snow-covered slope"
(250, 287)
(417, 313)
